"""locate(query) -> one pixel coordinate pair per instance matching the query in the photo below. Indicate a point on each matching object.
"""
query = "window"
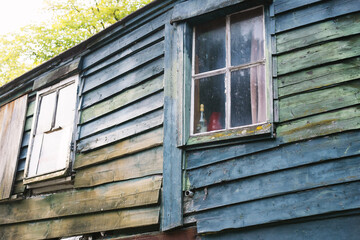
(228, 89)
(51, 140)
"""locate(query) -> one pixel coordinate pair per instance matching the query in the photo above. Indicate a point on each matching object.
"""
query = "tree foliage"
(72, 22)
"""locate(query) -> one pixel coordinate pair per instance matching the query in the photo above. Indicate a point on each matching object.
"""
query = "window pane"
(210, 46)
(47, 106)
(66, 106)
(248, 102)
(247, 37)
(210, 92)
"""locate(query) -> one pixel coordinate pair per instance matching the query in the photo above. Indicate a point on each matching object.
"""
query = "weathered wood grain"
(201, 158)
(335, 28)
(276, 159)
(315, 13)
(123, 66)
(128, 129)
(316, 102)
(319, 77)
(141, 164)
(344, 227)
(134, 47)
(28, 124)
(121, 42)
(320, 125)
(122, 99)
(320, 54)
(125, 114)
(129, 146)
(12, 120)
(143, 73)
(286, 5)
(82, 224)
(276, 184)
(132, 193)
(308, 203)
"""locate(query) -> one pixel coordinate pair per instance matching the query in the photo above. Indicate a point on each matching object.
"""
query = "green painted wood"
(28, 124)
(286, 156)
(291, 206)
(123, 66)
(30, 109)
(319, 77)
(320, 101)
(276, 184)
(122, 99)
(320, 125)
(320, 54)
(286, 5)
(335, 28)
(314, 13)
(125, 114)
(128, 129)
(344, 227)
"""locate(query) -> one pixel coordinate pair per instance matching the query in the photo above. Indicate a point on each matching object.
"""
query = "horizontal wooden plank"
(26, 138)
(319, 77)
(18, 187)
(121, 42)
(23, 153)
(335, 28)
(134, 47)
(320, 54)
(286, 5)
(21, 165)
(200, 158)
(320, 125)
(286, 156)
(310, 103)
(344, 227)
(128, 129)
(277, 183)
(129, 146)
(122, 99)
(132, 193)
(141, 164)
(30, 109)
(105, 221)
(143, 73)
(19, 176)
(28, 124)
(125, 65)
(128, 113)
(315, 13)
(303, 204)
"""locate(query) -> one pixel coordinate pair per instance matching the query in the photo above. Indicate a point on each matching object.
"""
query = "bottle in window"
(202, 126)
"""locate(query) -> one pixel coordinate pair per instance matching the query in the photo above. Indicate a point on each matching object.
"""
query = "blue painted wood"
(26, 138)
(125, 65)
(172, 215)
(286, 5)
(21, 165)
(146, 72)
(315, 13)
(275, 159)
(292, 206)
(346, 227)
(276, 183)
(200, 158)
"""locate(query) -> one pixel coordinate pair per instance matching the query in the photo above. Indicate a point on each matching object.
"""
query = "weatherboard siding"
(309, 169)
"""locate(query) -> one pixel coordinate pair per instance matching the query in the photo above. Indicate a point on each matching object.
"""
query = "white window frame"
(71, 149)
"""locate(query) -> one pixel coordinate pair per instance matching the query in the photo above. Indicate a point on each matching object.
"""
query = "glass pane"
(210, 46)
(247, 37)
(66, 106)
(248, 100)
(35, 154)
(47, 106)
(209, 92)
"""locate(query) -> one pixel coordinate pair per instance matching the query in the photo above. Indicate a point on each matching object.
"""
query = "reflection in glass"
(210, 46)
(247, 37)
(248, 102)
(210, 92)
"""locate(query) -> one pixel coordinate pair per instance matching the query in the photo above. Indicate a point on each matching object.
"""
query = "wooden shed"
(191, 119)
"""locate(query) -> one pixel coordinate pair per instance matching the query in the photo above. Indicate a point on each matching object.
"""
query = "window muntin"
(228, 72)
(51, 137)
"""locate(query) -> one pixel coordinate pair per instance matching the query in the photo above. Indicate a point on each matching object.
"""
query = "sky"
(15, 14)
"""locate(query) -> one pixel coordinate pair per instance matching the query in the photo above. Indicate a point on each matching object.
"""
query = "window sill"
(48, 176)
(231, 134)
